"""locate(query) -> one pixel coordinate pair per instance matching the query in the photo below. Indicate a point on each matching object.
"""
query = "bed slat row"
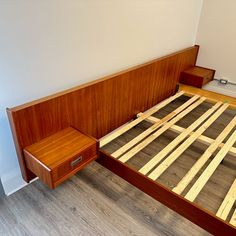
(160, 156)
(186, 137)
(204, 158)
(187, 143)
(154, 127)
(202, 138)
(160, 131)
(205, 176)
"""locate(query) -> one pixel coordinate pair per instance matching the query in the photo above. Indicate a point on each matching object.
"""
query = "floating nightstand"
(197, 76)
(59, 156)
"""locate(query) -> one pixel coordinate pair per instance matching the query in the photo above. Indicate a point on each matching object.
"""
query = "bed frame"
(163, 160)
(99, 107)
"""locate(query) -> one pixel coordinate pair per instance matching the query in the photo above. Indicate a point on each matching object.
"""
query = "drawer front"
(208, 78)
(191, 80)
(74, 163)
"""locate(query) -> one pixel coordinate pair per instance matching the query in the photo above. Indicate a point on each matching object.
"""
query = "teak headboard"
(101, 106)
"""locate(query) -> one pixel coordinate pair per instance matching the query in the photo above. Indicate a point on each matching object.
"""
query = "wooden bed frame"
(99, 107)
(161, 161)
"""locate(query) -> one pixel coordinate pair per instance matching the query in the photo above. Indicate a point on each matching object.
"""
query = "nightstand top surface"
(59, 147)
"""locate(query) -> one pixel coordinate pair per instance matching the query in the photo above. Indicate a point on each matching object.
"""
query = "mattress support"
(187, 136)
(204, 158)
(178, 114)
(202, 138)
(187, 143)
(165, 151)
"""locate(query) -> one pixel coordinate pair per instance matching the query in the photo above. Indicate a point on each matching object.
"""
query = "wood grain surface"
(60, 147)
(98, 107)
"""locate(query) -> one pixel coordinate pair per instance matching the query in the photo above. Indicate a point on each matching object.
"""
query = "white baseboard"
(215, 86)
(12, 181)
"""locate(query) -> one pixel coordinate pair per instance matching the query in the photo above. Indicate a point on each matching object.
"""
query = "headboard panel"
(101, 106)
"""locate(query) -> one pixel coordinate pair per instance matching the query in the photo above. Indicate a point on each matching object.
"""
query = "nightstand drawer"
(59, 156)
(75, 163)
(207, 78)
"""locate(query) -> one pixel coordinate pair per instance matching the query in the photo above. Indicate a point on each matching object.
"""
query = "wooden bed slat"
(202, 180)
(228, 202)
(153, 128)
(177, 129)
(130, 125)
(233, 219)
(165, 151)
(153, 136)
(204, 158)
(175, 155)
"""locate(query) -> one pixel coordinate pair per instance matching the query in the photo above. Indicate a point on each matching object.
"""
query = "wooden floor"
(93, 202)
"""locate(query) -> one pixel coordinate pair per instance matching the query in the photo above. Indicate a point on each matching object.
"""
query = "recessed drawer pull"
(76, 161)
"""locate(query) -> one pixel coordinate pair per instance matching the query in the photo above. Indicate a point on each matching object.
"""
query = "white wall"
(217, 38)
(51, 45)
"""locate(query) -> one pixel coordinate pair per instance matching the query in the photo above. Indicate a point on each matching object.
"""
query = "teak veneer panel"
(101, 106)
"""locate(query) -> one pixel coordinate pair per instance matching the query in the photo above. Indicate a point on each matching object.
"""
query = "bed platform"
(176, 146)
(195, 159)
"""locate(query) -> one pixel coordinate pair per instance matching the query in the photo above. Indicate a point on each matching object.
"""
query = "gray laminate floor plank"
(93, 202)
